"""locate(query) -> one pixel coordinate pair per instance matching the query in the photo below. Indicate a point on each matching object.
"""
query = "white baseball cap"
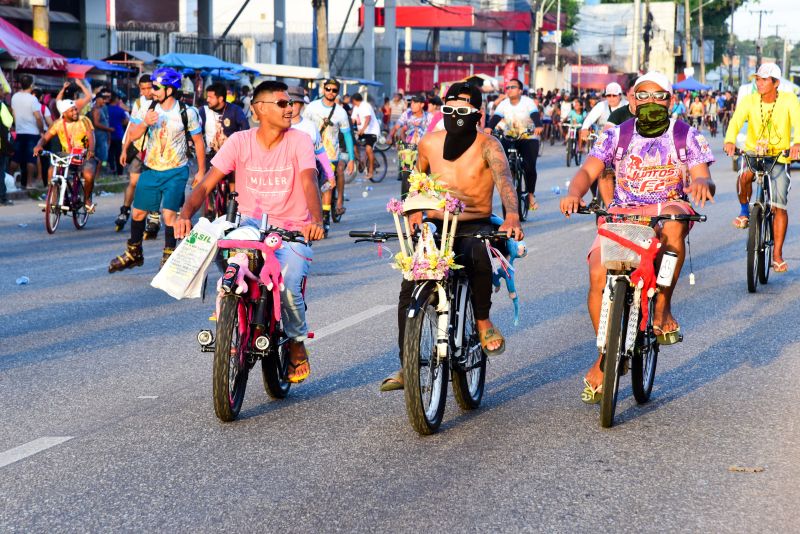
(657, 78)
(769, 70)
(64, 105)
(613, 89)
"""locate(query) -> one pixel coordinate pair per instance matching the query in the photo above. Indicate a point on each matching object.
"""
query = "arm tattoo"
(495, 158)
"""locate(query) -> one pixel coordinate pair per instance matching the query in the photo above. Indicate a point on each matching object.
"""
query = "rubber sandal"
(90, 208)
(532, 204)
(340, 211)
(741, 222)
(489, 335)
(393, 383)
(779, 266)
(668, 338)
(297, 378)
(591, 395)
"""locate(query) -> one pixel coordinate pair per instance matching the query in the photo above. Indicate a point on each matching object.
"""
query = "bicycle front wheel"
(754, 242)
(274, 368)
(80, 215)
(52, 209)
(469, 368)
(522, 194)
(336, 217)
(615, 349)
(765, 257)
(424, 372)
(643, 365)
(230, 362)
(381, 166)
(570, 148)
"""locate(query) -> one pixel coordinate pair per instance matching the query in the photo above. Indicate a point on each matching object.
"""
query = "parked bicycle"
(625, 334)
(65, 193)
(759, 237)
(517, 169)
(248, 325)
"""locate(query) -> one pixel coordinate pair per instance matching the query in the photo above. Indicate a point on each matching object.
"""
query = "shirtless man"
(470, 164)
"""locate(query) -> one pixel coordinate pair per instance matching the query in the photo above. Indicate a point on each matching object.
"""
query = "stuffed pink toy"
(271, 275)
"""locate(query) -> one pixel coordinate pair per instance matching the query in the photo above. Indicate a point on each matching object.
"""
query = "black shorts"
(368, 139)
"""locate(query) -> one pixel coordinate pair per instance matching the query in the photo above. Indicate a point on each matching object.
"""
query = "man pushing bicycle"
(660, 164)
(771, 115)
(470, 165)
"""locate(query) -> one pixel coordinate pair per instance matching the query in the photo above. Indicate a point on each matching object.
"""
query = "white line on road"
(350, 321)
(84, 269)
(29, 449)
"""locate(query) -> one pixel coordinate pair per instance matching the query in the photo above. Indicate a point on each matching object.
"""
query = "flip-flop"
(489, 335)
(532, 204)
(591, 395)
(668, 338)
(393, 383)
(779, 267)
(741, 222)
(341, 210)
(296, 379)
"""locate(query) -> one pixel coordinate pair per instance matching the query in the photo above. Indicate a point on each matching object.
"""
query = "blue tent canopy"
(99, 65)
(201, 62)
(690, 84)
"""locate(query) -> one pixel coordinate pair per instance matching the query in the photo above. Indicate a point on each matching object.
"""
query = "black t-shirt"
(618, 116)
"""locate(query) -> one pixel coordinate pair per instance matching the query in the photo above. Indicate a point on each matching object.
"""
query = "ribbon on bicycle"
(645, 274)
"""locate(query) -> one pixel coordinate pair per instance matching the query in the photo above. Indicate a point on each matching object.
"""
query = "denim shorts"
(781, 185)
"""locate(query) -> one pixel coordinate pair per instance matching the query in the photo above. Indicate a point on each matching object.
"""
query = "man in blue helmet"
(170, 128)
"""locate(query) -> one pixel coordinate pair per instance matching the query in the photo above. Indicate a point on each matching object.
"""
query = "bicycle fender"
(418, 298)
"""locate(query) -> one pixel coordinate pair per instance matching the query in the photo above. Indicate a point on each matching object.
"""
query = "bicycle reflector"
(205, 338)
(262, 343)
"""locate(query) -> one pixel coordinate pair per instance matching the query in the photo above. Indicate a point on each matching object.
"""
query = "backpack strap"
(624, 140)
(185, 119)
(680, 132)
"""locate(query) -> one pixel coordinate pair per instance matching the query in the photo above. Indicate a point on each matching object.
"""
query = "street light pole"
(702, 45)
(758, 42)
(536, 22)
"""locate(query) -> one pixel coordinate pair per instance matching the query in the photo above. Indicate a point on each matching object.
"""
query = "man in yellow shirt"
(771, 116)
(74, 131)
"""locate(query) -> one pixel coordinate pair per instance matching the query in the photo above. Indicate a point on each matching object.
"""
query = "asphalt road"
(107, 422)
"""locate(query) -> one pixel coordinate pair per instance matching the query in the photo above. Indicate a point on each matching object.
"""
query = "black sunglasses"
(283, 104)
(331, 89)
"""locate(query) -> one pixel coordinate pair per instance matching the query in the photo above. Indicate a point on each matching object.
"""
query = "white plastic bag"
(183, 273)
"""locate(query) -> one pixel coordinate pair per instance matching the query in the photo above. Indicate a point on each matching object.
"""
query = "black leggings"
(471, 253)
(529, 150)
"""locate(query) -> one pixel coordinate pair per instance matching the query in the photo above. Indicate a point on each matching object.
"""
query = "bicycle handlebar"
(286, 235)
(57, 160)
(751, 154)
(380, 237)
(653, 219)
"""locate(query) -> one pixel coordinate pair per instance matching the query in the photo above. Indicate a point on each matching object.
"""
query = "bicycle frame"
(62, 171)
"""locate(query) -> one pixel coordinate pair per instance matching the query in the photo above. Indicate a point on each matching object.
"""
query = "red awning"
(78, 71)
(462, 17)
(28, 53)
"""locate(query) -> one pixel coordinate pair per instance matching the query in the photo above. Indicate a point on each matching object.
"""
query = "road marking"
(149, 397)
(84, 269)
(350, 321)
(29, 449)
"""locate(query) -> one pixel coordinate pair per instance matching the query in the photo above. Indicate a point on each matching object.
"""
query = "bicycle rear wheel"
(469, 368)
(765, 257)
(52, 209)
(230, 362)
(643, 365)
(80, 215)
(424, 373)
(381, 166)
(754, 240)
(615, 348)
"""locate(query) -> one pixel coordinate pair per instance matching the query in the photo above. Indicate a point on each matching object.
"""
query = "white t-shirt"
(308, 127)
(318, 113)
(517, 116)
(360, 114)
(566, 107)
(24, 105)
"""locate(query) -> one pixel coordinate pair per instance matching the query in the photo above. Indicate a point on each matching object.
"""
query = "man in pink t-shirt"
(275, 174)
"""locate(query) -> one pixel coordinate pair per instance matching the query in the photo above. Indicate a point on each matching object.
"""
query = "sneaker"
(132, 257)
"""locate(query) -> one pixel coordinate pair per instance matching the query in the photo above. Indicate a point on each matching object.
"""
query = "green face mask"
(652, 119)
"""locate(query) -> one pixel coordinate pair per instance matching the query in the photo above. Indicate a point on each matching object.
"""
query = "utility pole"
(758, 42)
(41, 21)
(731, 46)
(321, 26)
(687, 40)
(558, 42)
(637, 7)
(279, 30)
(390, 35)
(648, 28)
(702, 45)
(536, 24)
(369, 33)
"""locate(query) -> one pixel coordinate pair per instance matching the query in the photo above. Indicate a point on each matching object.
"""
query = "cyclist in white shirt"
(368, 128)
(600, 112)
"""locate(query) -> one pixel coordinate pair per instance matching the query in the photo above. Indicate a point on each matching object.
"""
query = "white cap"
(769, 70)
(64, 105)
(657, 78)
(613, 89)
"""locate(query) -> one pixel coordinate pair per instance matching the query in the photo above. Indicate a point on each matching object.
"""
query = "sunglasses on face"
(283, 104)
(460, 110)
(513, 87)
(333, 90)
(158, 87)
(655, 95)
(607, 96)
